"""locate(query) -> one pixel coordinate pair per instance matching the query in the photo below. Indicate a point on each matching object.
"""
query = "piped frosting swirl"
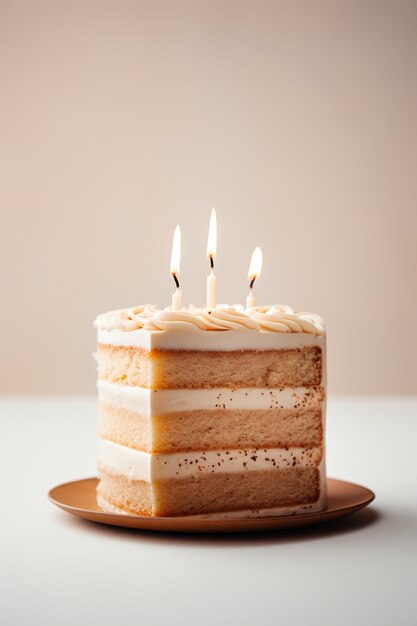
(277, 318)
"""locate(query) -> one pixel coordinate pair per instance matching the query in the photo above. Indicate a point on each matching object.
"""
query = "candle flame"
(255, 266)
(212, 237)
(176, 253)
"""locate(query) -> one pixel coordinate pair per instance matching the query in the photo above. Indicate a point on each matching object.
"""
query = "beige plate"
(79, 498)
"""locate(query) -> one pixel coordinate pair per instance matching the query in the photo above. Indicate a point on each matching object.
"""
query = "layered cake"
(211, 412)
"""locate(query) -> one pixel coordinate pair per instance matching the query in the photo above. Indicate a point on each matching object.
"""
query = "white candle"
(255, 268)
(250, 300)
(211, 290)
(175, 269)
(176, 300)
(211, 255)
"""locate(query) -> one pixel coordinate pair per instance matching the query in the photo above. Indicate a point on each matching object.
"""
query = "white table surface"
(58, 570)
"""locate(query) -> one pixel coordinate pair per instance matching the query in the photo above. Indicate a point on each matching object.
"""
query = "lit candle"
(175, 269)
(255, 268)
(211, 255)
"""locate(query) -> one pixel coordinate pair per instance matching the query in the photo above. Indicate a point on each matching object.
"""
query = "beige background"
(297, 120)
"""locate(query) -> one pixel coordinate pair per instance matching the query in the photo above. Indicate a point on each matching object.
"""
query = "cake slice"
(216, 412)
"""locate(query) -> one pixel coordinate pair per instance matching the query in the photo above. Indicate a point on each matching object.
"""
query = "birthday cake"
(211, 412)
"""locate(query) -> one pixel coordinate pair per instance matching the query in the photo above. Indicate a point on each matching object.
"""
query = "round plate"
(79, 498)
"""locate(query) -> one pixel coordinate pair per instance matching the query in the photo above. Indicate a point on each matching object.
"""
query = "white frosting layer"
(138, 465)
(150, 402)
(190, 338)
(279, 318)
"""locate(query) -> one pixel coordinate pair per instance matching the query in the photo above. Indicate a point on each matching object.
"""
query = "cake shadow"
(341, 526)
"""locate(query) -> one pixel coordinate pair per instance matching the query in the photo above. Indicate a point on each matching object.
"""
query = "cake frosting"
(139, 465)
(276, 318)
(166, 401)
(224, 328)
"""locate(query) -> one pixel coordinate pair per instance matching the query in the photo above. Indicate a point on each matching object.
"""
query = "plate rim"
(207, 524)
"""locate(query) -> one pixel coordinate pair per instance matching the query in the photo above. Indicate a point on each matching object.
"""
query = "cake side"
(208, 421)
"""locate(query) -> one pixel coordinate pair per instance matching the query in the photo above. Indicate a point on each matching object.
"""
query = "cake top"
(279, 318)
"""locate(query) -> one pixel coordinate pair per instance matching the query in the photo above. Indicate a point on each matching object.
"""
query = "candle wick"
(177, 282)
(211, 262)
(251, 283)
